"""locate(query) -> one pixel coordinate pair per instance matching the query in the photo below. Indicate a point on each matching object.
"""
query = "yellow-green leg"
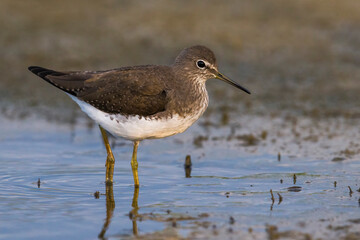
(134, 164)
(110, 160)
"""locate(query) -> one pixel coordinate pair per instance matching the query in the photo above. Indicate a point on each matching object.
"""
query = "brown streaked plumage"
(169, 99)
(120, 91)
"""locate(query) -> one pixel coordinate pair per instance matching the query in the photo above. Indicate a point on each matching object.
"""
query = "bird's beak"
(218, 75)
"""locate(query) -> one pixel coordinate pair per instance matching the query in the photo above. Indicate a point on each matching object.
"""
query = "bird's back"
(140, 90)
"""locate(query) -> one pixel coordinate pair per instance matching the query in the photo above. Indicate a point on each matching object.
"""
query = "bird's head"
(199, 63)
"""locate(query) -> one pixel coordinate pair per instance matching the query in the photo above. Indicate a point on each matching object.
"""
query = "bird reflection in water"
(134, 212)
(110, 206)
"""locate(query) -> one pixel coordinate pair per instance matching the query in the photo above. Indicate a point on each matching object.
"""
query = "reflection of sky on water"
(69, 160)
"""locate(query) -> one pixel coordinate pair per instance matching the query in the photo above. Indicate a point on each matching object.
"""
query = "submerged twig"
(272, 199)
(231, 220)
(187, 166)
(97, 195)
(280, 198)
(350, 191)
(272, 196)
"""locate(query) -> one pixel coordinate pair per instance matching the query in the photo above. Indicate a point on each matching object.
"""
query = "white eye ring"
(201, 64)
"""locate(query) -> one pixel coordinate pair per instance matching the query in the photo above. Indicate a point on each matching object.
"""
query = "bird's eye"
(200, 64)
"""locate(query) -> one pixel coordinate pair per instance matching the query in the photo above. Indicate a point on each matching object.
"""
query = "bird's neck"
(192, 96)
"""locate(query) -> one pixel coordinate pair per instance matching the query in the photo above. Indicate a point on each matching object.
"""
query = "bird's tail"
(70, 82)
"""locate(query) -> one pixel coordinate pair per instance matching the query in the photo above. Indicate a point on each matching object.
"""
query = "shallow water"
(228, 179)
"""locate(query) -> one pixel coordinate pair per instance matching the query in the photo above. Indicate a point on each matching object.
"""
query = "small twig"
(350, 191)
(97, 195)
(187, 161)
(231, 220)
(280, 198)
(272, 196)
(187, 166)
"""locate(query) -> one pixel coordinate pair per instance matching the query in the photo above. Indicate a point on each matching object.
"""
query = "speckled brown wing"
(129, 91)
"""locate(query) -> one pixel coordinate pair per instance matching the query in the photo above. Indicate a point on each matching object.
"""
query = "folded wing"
(128, 91)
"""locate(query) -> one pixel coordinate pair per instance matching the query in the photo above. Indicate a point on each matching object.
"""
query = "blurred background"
(301, 56)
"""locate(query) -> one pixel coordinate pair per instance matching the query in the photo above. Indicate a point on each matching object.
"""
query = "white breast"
(139, 128)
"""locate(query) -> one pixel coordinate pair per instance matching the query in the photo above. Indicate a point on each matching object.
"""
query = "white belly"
(136, 128)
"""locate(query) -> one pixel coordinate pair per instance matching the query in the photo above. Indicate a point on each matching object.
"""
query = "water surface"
(229, 179)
